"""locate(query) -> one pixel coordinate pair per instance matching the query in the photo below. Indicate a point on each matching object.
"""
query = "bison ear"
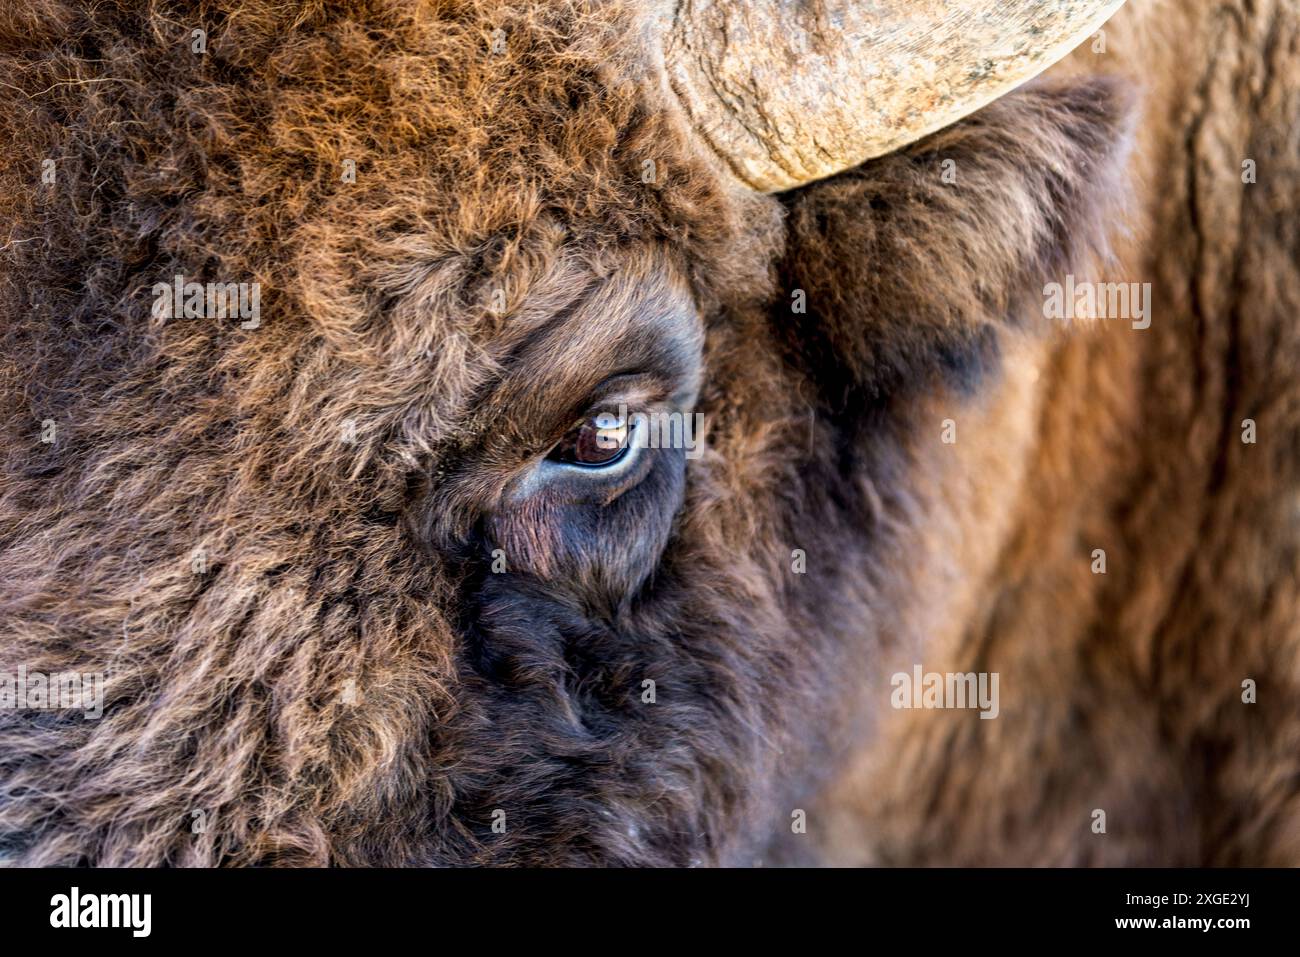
(913, 261)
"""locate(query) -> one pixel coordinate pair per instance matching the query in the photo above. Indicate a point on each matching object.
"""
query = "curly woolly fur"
(485, 173)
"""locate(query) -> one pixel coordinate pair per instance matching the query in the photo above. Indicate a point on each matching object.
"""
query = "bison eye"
(598, 441)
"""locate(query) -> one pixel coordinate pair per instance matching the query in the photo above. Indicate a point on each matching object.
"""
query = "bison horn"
(790, 92)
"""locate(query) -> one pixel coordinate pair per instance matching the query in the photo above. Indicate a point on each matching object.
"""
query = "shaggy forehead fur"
(499, 188)
(480, 174)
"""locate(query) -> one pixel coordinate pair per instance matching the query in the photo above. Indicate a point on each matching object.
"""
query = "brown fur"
(1129, 684)
(332, 562)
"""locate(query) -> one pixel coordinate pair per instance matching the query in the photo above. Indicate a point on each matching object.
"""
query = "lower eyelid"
(598, 485)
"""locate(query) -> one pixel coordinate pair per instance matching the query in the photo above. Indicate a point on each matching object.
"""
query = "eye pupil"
(596, 441)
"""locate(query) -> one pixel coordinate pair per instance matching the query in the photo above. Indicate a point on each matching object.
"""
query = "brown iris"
(597, 440)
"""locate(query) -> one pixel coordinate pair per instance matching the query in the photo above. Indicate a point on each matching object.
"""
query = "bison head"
(582, 475)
